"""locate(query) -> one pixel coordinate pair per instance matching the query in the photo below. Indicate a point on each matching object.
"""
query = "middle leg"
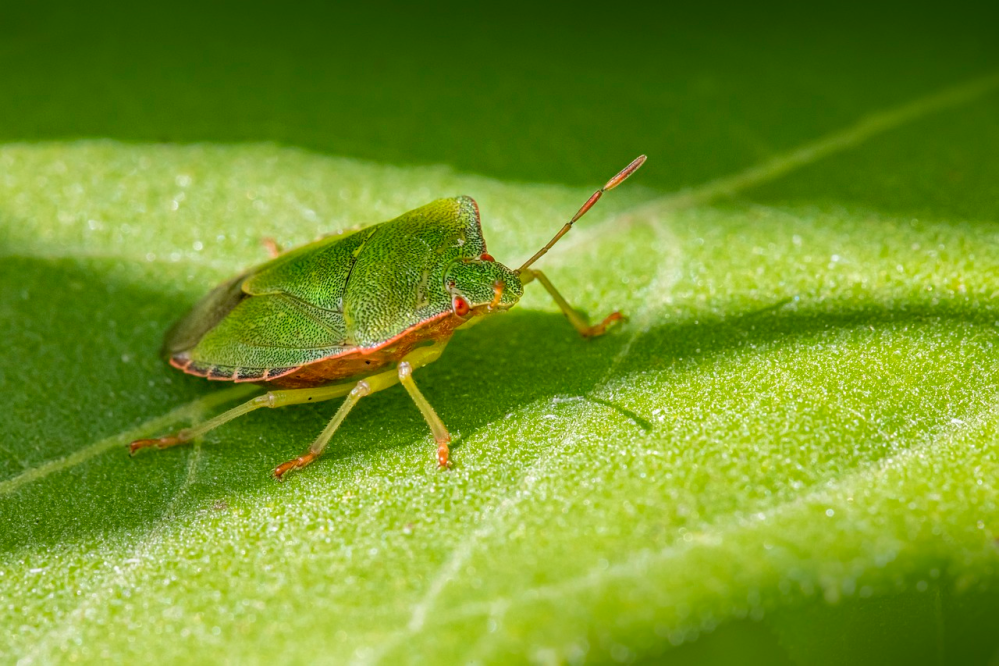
(360, 390)
(415, 359)
(437, 426)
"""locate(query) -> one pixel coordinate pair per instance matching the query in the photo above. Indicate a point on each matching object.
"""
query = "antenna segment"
(611, 184)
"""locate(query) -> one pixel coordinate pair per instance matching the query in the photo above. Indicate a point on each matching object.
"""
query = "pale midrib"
(784, 163)
(655, 211)
(152, 426)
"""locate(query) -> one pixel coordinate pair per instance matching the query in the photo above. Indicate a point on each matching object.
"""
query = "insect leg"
(360, 390)
(417, 358)
(272, 247)
(437, 426)
(270, 399)
(575, 318)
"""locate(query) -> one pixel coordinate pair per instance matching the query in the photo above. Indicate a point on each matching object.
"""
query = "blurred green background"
(550, 92)
(560, 93)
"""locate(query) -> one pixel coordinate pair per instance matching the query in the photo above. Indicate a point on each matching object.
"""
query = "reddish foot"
(442, 453)
(297, 463)
(271, 246)
(159, 443)
(601, 328)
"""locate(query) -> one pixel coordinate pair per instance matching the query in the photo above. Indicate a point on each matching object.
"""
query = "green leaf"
(794, 435)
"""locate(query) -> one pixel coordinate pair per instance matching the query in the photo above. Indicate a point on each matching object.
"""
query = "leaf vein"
(786, 162)
(155, 424)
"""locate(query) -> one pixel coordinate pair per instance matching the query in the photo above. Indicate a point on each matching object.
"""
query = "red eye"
(460, 306)
(485, 256)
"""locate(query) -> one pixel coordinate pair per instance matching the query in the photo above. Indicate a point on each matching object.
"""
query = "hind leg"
(270, 399)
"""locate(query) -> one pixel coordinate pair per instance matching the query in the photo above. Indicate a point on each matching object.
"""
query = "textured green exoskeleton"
(355, 313)
(341, 294)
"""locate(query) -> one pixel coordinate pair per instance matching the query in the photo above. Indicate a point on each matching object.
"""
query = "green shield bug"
(355, 313)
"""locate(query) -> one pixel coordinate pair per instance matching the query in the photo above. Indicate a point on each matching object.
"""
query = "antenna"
(611, 184)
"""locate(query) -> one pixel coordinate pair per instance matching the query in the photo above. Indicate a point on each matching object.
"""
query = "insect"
(353, 314)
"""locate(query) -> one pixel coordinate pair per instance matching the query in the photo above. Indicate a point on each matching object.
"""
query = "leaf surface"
(797, 421)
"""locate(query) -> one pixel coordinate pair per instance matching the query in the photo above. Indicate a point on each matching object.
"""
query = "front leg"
(577, 320)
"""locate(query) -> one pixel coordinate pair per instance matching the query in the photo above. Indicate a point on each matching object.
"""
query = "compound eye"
(460, 306)
(485, 256)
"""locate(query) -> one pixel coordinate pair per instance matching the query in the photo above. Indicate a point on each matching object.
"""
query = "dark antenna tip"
(621, 176)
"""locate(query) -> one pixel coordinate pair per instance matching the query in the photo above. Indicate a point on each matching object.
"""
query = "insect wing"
(284, 313)
(316, 274)
(267, 332)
